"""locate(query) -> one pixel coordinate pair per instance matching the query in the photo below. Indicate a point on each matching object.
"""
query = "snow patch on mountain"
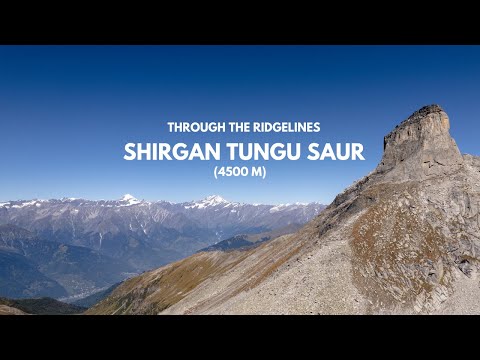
(129, 200)
(24, 204)
(209, 201)
(278, 208)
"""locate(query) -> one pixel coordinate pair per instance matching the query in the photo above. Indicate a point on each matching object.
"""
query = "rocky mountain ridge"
(404, 239)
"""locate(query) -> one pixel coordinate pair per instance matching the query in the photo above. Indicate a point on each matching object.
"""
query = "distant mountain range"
(31, 266)
(69, 247)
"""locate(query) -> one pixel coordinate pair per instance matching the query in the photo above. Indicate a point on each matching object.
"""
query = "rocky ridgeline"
(404, 239)
(418, 218)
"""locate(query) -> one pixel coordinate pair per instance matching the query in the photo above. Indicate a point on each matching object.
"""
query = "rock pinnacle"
(420, 147)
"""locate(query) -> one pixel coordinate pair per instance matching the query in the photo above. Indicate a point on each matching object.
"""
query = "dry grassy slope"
(280, 276)
(8, 310)
(394, 242)
(157, 290)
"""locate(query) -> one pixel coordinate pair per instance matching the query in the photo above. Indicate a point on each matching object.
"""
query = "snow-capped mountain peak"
(129, 200)
(209, 201)
(68, 199)
(127, 197)
(214, 200)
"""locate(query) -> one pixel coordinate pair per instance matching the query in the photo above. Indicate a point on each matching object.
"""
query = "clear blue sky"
(66, 113)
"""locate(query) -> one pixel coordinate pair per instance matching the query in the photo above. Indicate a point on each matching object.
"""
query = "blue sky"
(67, 112)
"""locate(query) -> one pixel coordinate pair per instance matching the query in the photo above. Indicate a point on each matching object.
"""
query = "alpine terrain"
(405, 239)
(32, 267)
(71, 248)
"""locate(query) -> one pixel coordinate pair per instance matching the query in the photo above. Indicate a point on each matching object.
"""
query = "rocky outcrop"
(420, 147)
(404, 239)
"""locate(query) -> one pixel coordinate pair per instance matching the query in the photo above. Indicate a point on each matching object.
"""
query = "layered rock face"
(404, 239)
(420, 147)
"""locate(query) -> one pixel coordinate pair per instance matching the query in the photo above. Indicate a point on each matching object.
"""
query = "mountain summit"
(128, 197)
(129, 200)
(209, 201)
(215, 199)
(421, 146)
(404, 239)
